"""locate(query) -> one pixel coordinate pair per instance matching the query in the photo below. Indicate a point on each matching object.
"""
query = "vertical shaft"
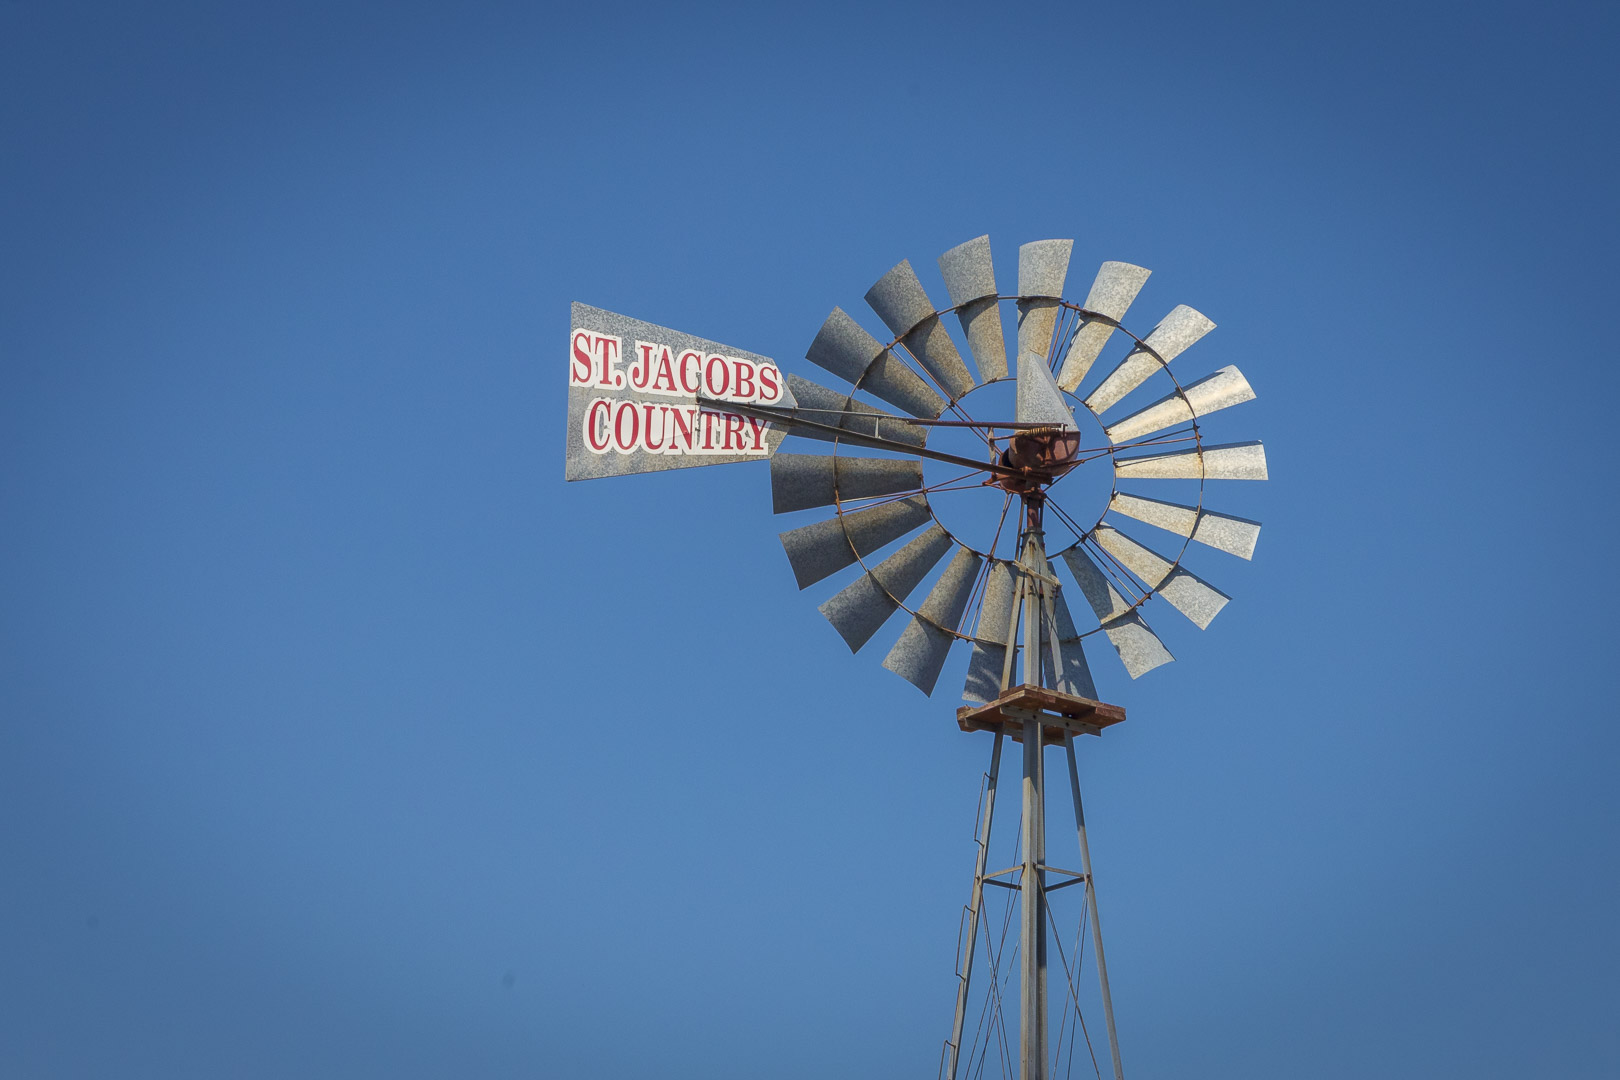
(1032, 904)
(1032, 881)
(1091, 903)
(974, 907)
(1032, 598)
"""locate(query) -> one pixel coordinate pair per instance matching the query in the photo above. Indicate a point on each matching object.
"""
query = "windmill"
(644, 398)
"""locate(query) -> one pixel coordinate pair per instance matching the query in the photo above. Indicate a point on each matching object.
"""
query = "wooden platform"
(1059, 714)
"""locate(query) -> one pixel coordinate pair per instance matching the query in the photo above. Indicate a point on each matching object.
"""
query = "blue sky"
(340, 737)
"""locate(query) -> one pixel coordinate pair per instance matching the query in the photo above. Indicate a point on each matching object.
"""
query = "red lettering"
(622, 442)
(579, 367)
(596, 426)
(648, 409)
(769, 388)
(691, 362)
(607, 349)
(709, 420)
(641, 366)
(743, 377)
(663, 380)
(734, 432)
(710, 366)
(757, 429)
(685, 422)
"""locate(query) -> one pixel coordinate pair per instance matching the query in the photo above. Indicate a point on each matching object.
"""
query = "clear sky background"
(340, 738)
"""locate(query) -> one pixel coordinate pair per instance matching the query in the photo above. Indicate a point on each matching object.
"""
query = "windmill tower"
(644, 398)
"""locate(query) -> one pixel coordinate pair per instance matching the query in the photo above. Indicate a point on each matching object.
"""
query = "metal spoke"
(1122, 577)
(960, 484)
(1000, 524)
(1068, 326)
(901, 349)
(1067, 519)
(1109, 565)
(1167, 438)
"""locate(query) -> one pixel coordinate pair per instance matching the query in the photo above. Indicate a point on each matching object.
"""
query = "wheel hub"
(1039, 457)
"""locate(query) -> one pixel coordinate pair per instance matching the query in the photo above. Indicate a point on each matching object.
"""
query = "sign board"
(632, 398)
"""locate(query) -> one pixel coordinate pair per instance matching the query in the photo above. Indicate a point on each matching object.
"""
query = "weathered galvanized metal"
(1032, 1012)
(844, 348)
(1186, 592)
(1091, 906)
(1073, 675)
(901, 302)
(964, 972)
(1234, 535)
(867, 602)
(1227, 461)
(1042, 266)
(805, 481)
(1222, 390)
(826, 547)
(632, 390)
(920, 653)
(844, 411)
(990, 640)
(970, 278)
(1139, 648)
(1111, 294)
(1178, 331)
(1039, 399)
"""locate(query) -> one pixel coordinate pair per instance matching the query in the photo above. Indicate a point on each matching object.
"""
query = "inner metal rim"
(951, 402)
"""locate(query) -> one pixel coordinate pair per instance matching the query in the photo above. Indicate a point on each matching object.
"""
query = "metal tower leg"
(1032, 927)
(1091, 902)
(974, 907)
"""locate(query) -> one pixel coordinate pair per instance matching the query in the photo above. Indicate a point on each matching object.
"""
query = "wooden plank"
(1058, 713)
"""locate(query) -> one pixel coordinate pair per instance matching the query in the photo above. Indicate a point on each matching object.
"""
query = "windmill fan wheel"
(884, 517)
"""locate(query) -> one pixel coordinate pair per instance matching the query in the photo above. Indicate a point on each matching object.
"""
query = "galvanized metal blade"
(1227, 461)
(1178, 331)
(1222, 390)
(843, 347)
(1039, 399)
(826, 547)
(817, 402)
(1075, 678)
(1116, 285)
(1139, 648)
(990, 639)
(1042, 266)
(802, 481)
(1233, 535)
(860, 609)
(970, 278)
(901, 302)
(920, 653)
(1185, 591)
